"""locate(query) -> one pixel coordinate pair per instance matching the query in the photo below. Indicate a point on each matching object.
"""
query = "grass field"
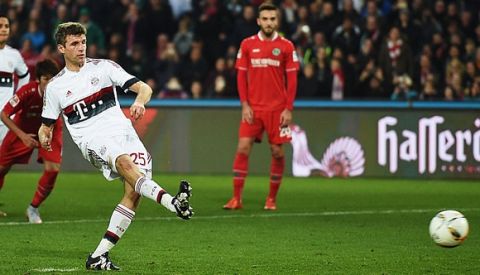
(354, 226)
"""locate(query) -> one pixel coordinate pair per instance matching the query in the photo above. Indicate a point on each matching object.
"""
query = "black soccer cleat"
(101, 262)
(180, 201)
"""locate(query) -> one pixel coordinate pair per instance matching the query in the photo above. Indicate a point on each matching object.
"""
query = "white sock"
(119, 222)
(150, 189)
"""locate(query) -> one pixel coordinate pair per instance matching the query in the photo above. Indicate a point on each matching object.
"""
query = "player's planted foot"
(233, 204)
(180, 201)
(270, 204)
(101, 262)
(33, 215)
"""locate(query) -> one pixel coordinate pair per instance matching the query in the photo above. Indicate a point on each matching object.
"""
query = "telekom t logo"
(82, 109)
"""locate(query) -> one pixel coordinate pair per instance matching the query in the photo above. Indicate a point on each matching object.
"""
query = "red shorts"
(13, 151)
(268, 121)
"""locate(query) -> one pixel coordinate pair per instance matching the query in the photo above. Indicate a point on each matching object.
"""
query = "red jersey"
(266, 63)
(27, 104)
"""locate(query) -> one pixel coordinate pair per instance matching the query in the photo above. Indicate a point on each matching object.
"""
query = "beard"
(268, 32)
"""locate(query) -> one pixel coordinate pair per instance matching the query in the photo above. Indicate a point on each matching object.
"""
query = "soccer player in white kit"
(11, 62)
(84, 93)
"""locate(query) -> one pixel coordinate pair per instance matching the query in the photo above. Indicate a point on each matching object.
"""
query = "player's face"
(4, 30)
(268, 22)
(74, 50)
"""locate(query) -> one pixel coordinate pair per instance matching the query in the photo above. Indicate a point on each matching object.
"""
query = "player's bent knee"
(124, 163)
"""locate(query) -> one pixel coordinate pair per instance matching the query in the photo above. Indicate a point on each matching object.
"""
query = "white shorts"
(102, 152)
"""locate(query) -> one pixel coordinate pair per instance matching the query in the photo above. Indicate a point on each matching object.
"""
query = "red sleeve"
(291, 58)
(291, 88)
(242, 57)
(15, 103)
(242, 85)
(242, 66)
(291, 67)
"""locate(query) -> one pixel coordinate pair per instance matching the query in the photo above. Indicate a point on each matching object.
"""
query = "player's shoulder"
(100, 62)
(251, 39)
(12, 51)
(29, 88)
(57, 78)
(286, 41)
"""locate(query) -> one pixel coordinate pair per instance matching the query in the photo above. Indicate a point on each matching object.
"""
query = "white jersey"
(88, 100)
(11, 62)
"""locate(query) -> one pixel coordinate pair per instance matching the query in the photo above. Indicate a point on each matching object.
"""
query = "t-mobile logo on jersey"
(82, 109)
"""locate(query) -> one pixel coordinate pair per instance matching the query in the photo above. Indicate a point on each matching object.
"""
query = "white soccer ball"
(449, 228)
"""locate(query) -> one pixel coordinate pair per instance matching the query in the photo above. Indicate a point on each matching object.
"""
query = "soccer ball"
(449, 228)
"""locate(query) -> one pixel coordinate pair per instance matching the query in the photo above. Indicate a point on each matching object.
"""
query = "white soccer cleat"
(33, 215)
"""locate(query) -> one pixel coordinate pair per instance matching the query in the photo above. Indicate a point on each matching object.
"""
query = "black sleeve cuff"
(130, 83)
(47, 121)
(23, 75)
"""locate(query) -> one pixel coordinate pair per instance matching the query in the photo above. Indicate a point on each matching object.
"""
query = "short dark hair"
(266, 6)
(68, 28)
(46, 67)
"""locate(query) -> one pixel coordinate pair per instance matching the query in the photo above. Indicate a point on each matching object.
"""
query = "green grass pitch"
(322, 226)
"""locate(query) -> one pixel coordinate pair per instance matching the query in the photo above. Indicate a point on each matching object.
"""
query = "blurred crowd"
(349, 49)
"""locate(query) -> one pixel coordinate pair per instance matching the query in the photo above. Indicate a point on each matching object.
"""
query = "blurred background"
(378, 49)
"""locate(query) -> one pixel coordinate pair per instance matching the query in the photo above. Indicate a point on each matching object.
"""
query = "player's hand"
(137, 110)
(285, 118)
(46, 141)
(29, 140)
(247, 114)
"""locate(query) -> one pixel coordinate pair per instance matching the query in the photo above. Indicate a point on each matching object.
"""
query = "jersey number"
(140, 158)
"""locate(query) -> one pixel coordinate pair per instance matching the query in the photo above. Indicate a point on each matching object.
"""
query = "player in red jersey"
(21, 140)
(267, 68)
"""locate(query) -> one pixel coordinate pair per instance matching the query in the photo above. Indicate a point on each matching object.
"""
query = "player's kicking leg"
(136, 185)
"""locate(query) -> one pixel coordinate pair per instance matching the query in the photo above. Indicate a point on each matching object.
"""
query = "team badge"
(14, 101)
(94, 81)
(276, 51)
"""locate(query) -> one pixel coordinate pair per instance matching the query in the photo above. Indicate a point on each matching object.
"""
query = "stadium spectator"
(84, 92)
(11, 62)
(267, 80)
(395, 59)
(95, 35)
(183, 39)
(35, 35)
(308, 86)
(20, 141)
(173, 89)
(219, 82)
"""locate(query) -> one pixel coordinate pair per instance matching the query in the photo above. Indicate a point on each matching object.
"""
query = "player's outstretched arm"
(27, 139)
(144, 93)
(45, 136)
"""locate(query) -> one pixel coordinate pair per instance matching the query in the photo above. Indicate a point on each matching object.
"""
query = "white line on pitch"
(235, 215)
(45, 270)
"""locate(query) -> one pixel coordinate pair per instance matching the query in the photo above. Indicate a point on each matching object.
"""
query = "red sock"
(240, 170)
(44, 187)
(276, 172)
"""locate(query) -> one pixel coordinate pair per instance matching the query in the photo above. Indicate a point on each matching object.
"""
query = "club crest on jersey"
(14, 101)
(94, 81)
(276, 51)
